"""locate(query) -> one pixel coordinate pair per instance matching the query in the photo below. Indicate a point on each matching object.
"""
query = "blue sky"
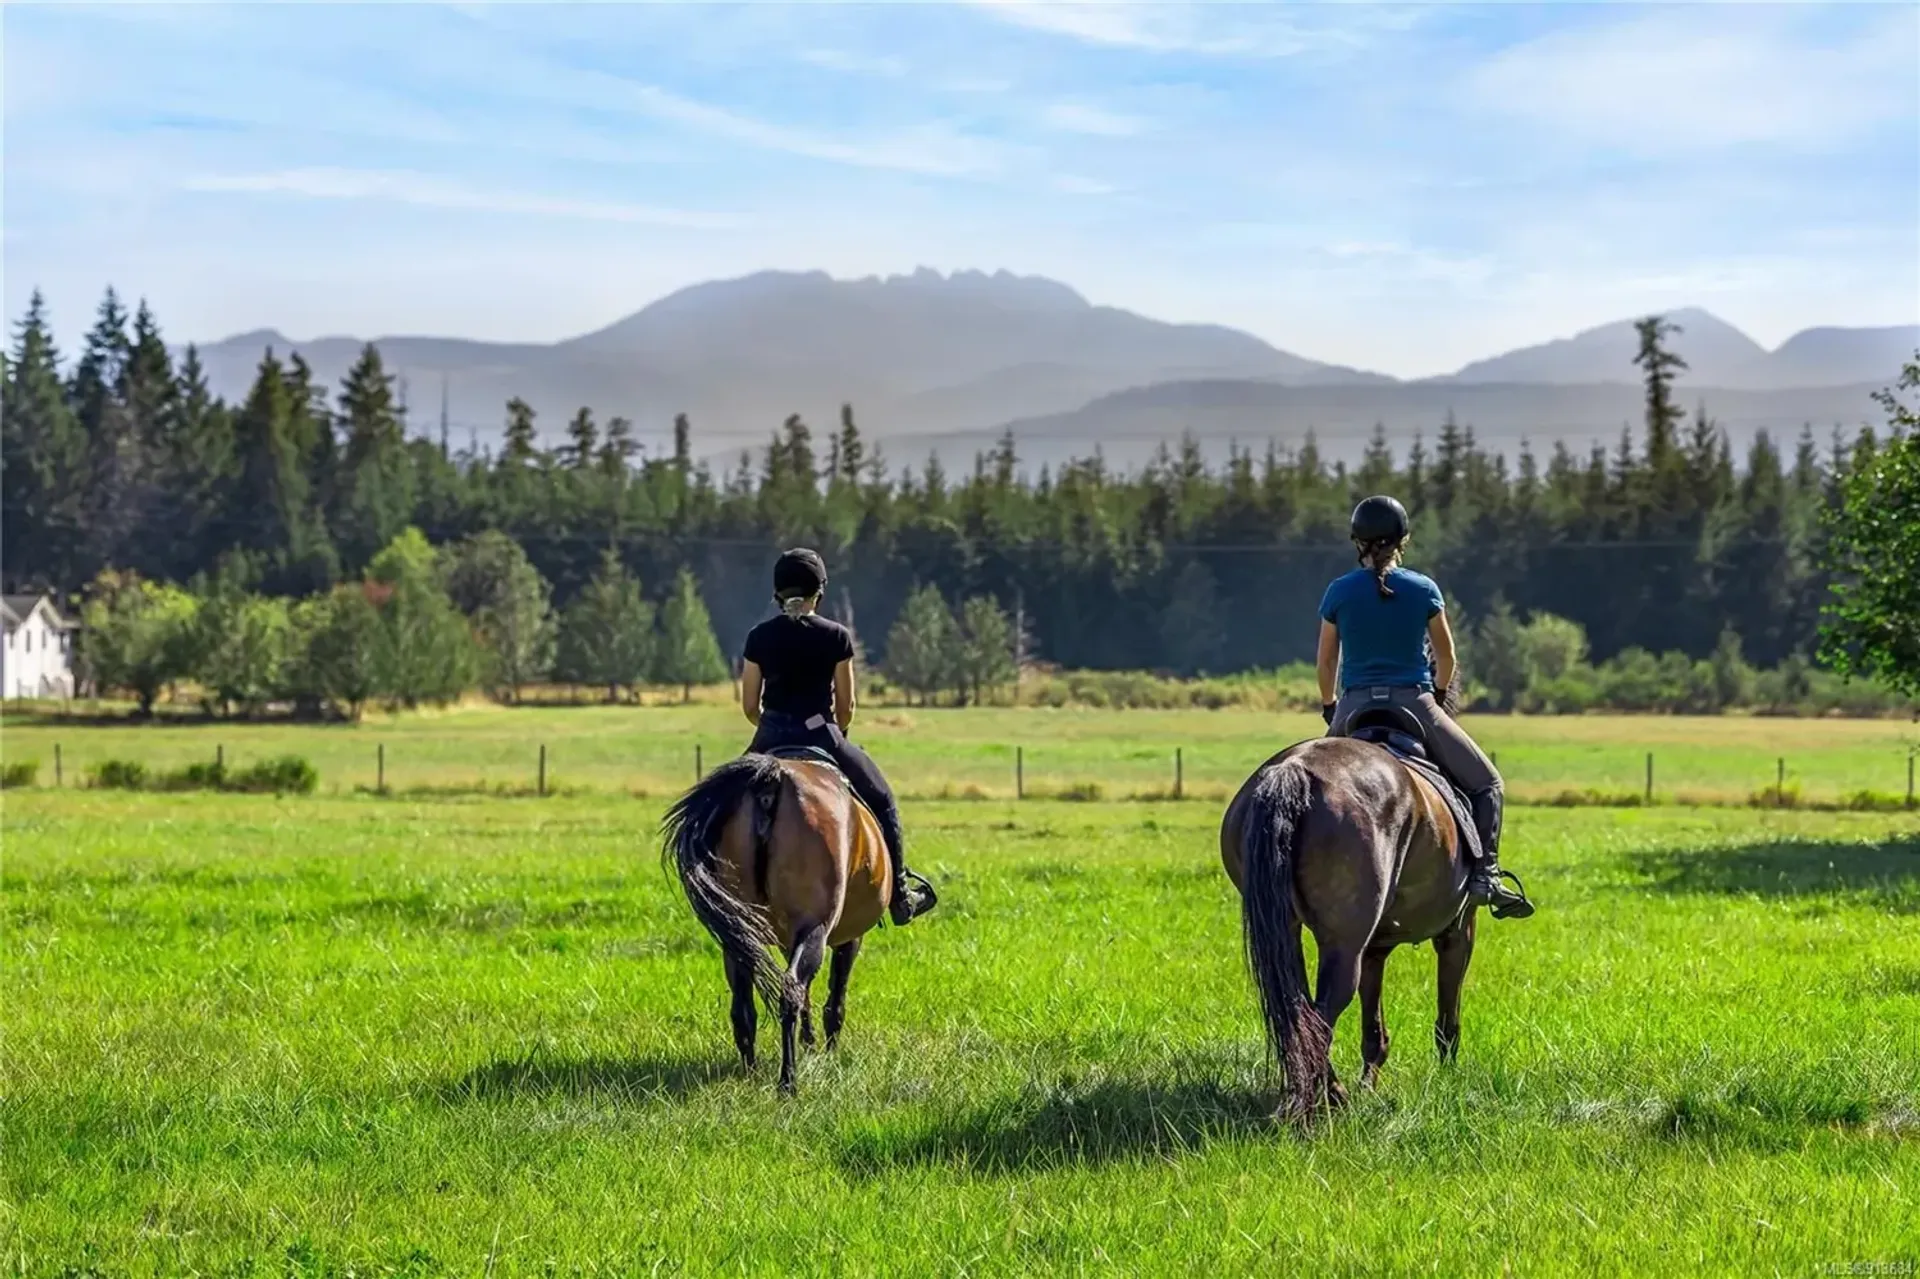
(1402, 188)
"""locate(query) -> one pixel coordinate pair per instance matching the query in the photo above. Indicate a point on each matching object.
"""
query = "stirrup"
(915, 902)
(1504, 902)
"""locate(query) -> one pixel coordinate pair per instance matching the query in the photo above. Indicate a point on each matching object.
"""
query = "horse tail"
(690, 841)
(1270, 834)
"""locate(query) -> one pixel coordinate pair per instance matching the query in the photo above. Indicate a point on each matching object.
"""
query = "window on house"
(29, 641)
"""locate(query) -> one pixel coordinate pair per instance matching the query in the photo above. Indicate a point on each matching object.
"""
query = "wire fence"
(1875, 780)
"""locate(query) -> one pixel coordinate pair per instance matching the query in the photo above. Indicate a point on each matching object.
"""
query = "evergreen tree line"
(123, 460)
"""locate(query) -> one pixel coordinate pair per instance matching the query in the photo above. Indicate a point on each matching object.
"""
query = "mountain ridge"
(927, 354)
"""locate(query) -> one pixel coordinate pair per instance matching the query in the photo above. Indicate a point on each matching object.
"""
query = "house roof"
(18, 608)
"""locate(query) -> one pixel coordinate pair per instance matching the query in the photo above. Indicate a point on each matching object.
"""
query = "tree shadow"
(1884, 875)
(607, 1078)
(1069, 1123)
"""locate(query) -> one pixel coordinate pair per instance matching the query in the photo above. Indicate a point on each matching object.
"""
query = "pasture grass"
(344, 1035)
(946, 753)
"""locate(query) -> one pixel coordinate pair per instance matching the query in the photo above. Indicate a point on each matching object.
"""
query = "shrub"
(202, 776)
(1593, 797)
(21, 772)
(1082, 792)
(121, 774)
(285, 775)
(1568, 694)
(1873, 801)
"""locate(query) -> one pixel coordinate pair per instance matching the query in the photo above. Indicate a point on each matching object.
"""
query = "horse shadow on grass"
(1069, 1122)
(1883, 875)
(615, 1079)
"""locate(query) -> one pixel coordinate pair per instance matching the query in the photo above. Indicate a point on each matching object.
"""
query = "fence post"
(1649, 777)
(1910, 755)
(1780, 778)
(543, 769)
(380, 768)
(220, 758)
(1179, 772)
(1019, 772)
(698, 772)
(58, 779)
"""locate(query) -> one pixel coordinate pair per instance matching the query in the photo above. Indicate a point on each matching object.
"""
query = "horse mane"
(690, 835)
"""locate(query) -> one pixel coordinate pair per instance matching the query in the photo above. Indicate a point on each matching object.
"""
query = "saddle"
(1401, 734)
(810, 754)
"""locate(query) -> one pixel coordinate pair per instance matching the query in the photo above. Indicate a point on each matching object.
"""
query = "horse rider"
(796, 688)
(1385, 629)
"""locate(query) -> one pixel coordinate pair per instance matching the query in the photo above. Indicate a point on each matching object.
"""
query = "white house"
(37, 660)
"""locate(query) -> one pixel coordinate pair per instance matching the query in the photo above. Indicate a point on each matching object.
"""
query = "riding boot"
(1484, 881)
(913, 896)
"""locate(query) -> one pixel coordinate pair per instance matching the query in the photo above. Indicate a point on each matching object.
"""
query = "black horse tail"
(691, 834)
(1296, 1033)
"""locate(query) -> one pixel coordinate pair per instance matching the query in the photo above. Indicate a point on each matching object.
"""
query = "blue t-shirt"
(1383, 643)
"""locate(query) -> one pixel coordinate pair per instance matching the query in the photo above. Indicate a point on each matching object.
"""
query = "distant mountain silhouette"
(932, 356)
(919, 352)
(1717, 354)
(1832, 357)
(1712, 348)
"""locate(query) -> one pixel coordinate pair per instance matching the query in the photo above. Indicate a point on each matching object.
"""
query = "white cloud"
(1077, 117)
(932, 149)
(1074, 184)
(400, 187)
(1703, 77)
(854, 63)
(1221, 29)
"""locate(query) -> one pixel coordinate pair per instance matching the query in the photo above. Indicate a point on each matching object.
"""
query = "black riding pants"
(862, 773)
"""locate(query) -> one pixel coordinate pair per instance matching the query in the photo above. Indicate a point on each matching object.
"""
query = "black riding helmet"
(799, 574)
(1379, 519)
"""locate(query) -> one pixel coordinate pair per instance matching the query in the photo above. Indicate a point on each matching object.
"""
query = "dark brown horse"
(777, 854)
(1341, 837)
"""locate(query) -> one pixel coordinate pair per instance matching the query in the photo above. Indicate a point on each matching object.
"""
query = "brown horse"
(775, 852)
(1340, 836)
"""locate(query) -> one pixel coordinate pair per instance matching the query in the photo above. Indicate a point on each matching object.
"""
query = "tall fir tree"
(43, 462)
(373, 490)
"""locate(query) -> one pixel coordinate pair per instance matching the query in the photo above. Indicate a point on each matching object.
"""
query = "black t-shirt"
(796, 657)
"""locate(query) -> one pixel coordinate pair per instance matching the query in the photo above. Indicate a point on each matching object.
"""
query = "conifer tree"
(689, 653)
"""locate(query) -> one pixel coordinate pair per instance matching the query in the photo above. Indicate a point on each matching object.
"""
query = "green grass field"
(347, 1035)
(946, 753)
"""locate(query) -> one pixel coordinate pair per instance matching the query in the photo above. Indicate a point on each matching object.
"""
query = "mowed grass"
(971, 753)
(345, 1035)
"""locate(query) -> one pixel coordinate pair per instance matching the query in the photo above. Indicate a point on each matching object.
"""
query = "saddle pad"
(816, 755)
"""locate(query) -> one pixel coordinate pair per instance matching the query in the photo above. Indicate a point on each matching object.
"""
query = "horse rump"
(691, 834)
(1270, 834)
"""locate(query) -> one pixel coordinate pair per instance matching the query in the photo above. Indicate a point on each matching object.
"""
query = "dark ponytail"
(1378, 555)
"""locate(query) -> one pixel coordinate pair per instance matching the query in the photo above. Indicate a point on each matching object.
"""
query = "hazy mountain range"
(952, 360)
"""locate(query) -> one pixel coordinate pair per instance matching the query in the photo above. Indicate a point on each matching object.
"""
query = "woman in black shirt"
(796, 687)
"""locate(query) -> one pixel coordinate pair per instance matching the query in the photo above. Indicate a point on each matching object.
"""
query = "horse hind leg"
(808, 950)
(1455, 948)
(838, 971)
(1339, 978)
(745, 1015)
(1373, 1016)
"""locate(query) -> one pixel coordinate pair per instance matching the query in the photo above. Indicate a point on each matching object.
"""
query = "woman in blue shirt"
(1384, 629)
